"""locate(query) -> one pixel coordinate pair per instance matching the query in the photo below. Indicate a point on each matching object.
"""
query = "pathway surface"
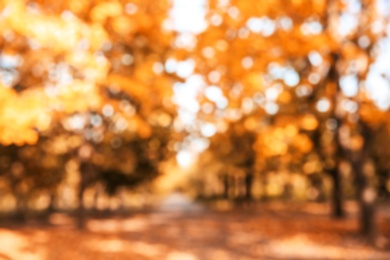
(241, 234)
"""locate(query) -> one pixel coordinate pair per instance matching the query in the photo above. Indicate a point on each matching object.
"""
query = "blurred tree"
(234, 149)
(88, 74)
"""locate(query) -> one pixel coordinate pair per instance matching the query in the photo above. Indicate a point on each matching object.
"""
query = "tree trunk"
(80, 210)
(248, 185)
(51, 207)
(366, 194)
(21, 207)
(366, 199)
(383, 193)
(226, 186)
(264, 184)
(84, 171)
(337, 194)
(337, 199)
(95, 200)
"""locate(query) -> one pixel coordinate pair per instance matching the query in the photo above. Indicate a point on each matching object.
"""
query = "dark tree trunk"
(367, 221)
(337, 194)
(365, 193)
(51, 208)
(383, 193)
(95, 200)
(248, 185)
(226, 186)
(366, 198)
(337, 198)
(21, 207)
(264, 184)
(88, 175)
(235, 187)
(85, 172)
(81, 210)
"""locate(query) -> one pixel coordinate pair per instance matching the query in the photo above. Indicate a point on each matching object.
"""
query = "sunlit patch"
(247, 62)
(272, 93)
(185, 158)
(188, 16)
(222, 103)
(131, 8)
(247, 105)
(276, 71)
(96, 120)
(291, 78)
(348, 23)
(303, 90)
(207, 108)
(349, 106)
(208, 52)
(67, 16)
(271, 108)
(262, 25)
(315, 58)
(222, 126)
(216, 20)
(171, 65)
(255, 24)
(243, 33)
(208, 130)
(185, 41)
(364, 41)
(214, 76)
(233, 114)
(299, 246)
(349, 85)
(158, 68)
(185, 68)
(75, 122)
(15, 246)
(127, 59)
(234, 12)
(213, 93)
(108, 110)
(177, 255)
(323, 105)
(314, 78)
(200, 144)
(42, 201)
(112, 226)
(286, 23)
(109, 245)
(311, 27)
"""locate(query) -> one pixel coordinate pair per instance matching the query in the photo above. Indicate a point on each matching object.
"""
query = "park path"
(265, 232)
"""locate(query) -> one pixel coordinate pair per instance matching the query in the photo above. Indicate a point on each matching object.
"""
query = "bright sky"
(188, 18)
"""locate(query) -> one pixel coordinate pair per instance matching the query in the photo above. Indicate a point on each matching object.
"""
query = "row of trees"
(307, 87)
(299, 85)
(83, 91)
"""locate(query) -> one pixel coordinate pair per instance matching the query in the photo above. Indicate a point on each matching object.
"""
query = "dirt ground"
(272, 231)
